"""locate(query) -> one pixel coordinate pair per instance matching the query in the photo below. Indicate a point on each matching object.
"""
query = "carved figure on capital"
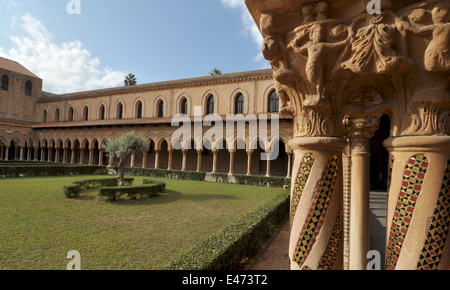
(437, 54)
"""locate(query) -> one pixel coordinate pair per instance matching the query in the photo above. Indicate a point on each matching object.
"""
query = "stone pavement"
(275, 255)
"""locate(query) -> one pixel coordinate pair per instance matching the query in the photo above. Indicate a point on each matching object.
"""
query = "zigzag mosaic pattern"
(390, 169)
(439, 229)
(413, 178)
(318, 211)
(302, 177)
(329, 258)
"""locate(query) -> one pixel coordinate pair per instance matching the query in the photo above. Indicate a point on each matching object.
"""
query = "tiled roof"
(266, 73)
(13, 123)
(15, 67)
(127, 122)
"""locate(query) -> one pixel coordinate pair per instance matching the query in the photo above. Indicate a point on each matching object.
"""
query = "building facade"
(72, 128)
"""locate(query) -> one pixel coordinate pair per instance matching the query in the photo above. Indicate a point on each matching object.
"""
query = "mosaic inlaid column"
(347, 165)
(419, 204)
(316, 204)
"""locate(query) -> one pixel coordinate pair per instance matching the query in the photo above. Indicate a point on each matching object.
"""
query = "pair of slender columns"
(330, 201)
(330, 227)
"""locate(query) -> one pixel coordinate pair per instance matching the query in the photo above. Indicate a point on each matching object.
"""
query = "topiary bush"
(73, 191)
(133, 192)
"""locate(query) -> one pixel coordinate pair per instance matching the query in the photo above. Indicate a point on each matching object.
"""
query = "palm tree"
(215, 72)
(130, 80)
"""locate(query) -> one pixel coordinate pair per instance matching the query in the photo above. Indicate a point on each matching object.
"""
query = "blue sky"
(157, 40)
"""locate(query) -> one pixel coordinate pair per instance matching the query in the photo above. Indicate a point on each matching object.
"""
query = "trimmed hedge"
(133, 192)
(230, 247)
(251, 180)
(218, 177)
(162, 173)
(31, 170)
(73, 191)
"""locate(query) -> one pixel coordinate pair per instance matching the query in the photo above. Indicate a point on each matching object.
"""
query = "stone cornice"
(159, 86)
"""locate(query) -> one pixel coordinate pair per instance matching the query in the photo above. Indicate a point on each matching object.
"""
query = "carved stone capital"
(330, 54)
(359, 131)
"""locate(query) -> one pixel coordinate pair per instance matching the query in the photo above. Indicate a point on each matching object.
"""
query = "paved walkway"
(275, 255)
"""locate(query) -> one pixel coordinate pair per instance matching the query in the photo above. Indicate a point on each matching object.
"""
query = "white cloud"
(64, 67)
(249, 26)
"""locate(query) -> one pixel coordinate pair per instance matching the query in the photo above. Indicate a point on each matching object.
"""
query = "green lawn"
(39, 226)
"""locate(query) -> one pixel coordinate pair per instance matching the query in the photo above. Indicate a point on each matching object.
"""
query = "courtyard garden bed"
(39, 225)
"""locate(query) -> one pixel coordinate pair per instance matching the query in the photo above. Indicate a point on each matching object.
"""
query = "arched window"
(28, 88)
(239, 104)
(5, 83)
(71, 115)
(102, 113)
(274, 103)
(44, 116)
(210, 105)
(86, 113)
(138, 110)
(57, 115)
(119, 111)
(184, 106)
(161, 109)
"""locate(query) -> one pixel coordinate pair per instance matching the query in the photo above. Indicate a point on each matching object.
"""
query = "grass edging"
(229, 248)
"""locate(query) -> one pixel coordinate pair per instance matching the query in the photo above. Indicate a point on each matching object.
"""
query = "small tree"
(122, 148)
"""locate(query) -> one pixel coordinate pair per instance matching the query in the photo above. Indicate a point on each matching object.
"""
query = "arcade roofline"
(190, 82)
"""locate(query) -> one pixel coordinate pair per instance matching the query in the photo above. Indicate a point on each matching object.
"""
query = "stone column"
(65, 155)
(91, 156)
(199, 160)
(42, 154)
(289, 170)
(232, 153)
(418, 216)
(57, 155)
(21, 154)
(157, 159)
(249, 162)
(144, 159)
(29, 154)
(111, 162)
(268, 172)
(81, 155)
(1, 153)
(133, 157)
(72, 158)
(316, 204)
(100, 157)
(184, 163)
(6, 153)
(214, 167)
(49, 153)
(36, 153)
(170, 167)
(361, 129)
